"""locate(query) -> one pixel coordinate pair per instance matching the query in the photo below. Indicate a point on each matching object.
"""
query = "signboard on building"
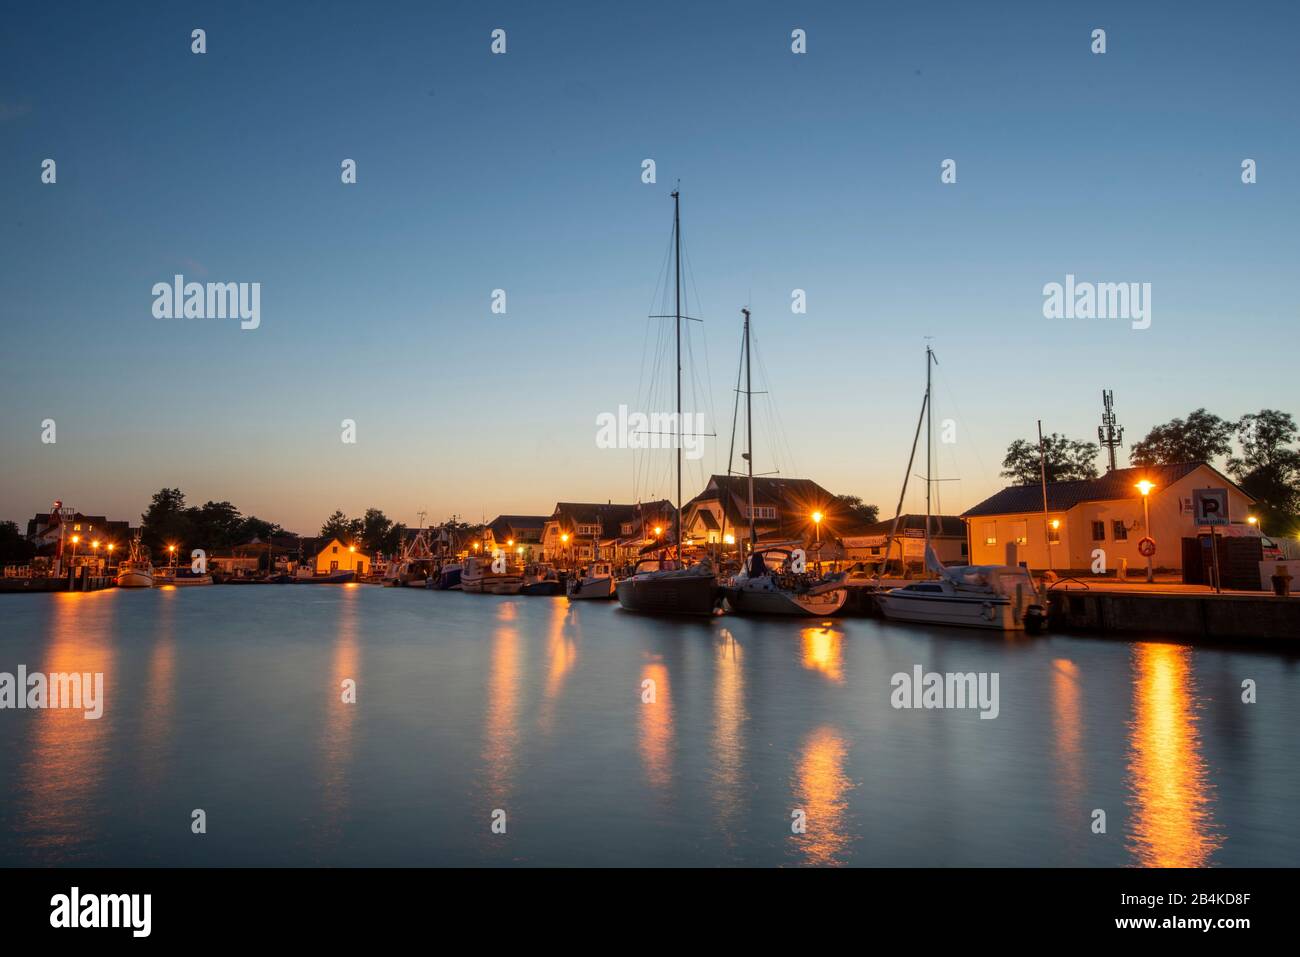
(1210, 506)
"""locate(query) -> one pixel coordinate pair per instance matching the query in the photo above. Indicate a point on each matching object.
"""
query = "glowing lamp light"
(75, 539)
(1145, 487)
(817, 517)
(729, 538)
(352, 548)
(1056, 523)
(564, 537)
(510, 542)
(111, 546)
(1253, 520)
(659, 530)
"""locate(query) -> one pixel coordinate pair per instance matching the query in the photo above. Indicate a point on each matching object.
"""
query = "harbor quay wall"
(1207, 616)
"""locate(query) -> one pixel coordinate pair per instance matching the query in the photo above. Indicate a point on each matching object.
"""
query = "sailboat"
(667, 586)
(760, 588)
(137, 570)
(999, 597)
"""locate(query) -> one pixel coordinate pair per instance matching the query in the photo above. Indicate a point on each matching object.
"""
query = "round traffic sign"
(1147, 547)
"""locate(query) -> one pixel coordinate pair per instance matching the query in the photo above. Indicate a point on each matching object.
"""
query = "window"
(761, 511)
(626, 528)
(990, 533)
(963, 549)
(1121, 533)
(334, 550)
(1098, 531)
(1054, 532)
(1019, 533)
(588, 529)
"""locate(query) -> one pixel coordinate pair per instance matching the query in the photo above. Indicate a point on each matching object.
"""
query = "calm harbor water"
(228, 699)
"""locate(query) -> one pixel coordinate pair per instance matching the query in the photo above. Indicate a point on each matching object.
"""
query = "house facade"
(784, 512)
(334, 556)
(576, 531)
(518, 535)
(1096, 519)
(867, 543)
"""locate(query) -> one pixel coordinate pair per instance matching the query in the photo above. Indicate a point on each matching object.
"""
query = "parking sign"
(1210, 506)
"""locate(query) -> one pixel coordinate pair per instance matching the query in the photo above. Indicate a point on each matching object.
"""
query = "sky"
(522, 171)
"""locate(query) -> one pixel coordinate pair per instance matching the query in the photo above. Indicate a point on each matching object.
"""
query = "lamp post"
(95, 546)
(109, 565)
(565, 558)
(1145, 488)
(75, 539)
(817, 526)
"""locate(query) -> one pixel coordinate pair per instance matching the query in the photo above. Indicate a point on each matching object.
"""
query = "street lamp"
(110, 556)
(75, 539)
(564, 549)
(817, 524)
(1145, 488)
(95, 545)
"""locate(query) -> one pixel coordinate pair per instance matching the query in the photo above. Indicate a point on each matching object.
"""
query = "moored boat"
(763, 590)
(596, 582)
(136, 571)
(663, 586)
(1000, 597)
(478, 577)
(541, 579)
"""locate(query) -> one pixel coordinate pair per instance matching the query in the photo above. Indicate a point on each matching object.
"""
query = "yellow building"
(337, 557)
(1096, 519)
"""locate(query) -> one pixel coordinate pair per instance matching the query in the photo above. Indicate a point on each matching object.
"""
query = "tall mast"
(929, 441)
(749, 435)
(677, 237)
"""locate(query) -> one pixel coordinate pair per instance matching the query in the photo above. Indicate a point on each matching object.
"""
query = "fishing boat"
(774, 580)
(477, 577)
(999, 597)
(179, 577)
(414, 566)
(447, 577)
(305, 576)
(541, 579)
(668, 586)
(595, 582)
(137, 570)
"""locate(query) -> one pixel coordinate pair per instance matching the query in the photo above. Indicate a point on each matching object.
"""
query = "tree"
(1067, 460)
(1202, 437)
(1268, 468)
(379, 534)
(214, 525)
(852, 507)
(166, 522)
(253, 527)
(338, 525)
(14, 547)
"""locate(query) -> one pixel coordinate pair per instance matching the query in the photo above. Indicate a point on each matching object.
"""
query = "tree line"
(1267, 467)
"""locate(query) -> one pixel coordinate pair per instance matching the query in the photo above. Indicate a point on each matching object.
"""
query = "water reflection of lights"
(1171, 796)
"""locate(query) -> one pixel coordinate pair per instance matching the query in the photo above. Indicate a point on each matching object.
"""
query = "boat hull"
(669, 594)
(757, 600)
(543, 588)
(134, 579)
(965, 612)
(593, 589)
(185, 581)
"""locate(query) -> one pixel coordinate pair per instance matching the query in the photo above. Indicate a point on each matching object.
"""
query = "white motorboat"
(1000, 597)
(137, 570)
(596, 582)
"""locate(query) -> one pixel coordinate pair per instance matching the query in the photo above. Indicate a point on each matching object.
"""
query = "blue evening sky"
(523, 172)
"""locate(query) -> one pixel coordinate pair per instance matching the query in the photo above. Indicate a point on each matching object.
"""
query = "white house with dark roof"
(1104, 513)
